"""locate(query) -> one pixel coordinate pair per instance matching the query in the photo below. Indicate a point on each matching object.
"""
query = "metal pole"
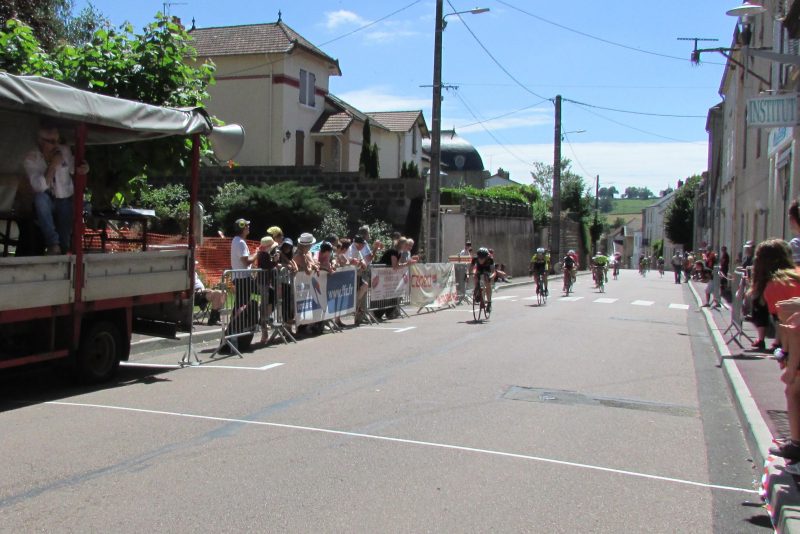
(434, 245)
(555, 237)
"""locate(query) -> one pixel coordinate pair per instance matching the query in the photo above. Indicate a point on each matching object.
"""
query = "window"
(308, 88)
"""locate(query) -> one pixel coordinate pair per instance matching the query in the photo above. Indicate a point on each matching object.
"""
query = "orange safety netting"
(213, 256)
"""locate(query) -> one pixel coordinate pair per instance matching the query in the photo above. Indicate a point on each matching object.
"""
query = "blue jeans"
(54, 216)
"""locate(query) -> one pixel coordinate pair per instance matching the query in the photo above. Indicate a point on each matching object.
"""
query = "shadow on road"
(38, 384)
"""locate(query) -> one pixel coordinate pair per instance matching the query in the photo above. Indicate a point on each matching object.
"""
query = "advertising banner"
(433, 285)
(388, 283)
(324, 296)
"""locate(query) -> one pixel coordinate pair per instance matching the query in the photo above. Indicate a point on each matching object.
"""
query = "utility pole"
(434, 241)
(555, 225)
(596, 210)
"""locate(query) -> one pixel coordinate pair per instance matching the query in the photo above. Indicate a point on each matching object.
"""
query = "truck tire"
(99, 353)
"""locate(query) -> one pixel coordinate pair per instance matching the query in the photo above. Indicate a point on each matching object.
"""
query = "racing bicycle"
(541, 289)
(567, 281)
(599, 278)
(479, 304)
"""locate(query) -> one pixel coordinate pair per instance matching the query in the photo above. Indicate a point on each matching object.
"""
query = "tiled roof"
(399, 121)
(329, 123)
(270, 38)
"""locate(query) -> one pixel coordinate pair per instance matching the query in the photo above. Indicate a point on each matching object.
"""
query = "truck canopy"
(113, 120)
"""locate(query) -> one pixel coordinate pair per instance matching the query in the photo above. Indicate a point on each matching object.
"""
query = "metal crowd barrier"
(255, 299)
(741, 286)
(463, 275)
(389, 290)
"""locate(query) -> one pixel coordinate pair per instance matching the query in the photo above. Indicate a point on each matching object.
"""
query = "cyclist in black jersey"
(483, 266)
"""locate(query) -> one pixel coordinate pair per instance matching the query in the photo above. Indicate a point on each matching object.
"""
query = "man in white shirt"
(241, 259)
(50, 167)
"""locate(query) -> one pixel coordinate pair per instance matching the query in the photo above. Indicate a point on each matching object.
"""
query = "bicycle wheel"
(567, 283)
(486, 311)
(477, 304)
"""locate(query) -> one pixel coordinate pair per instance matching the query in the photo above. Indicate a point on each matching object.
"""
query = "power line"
(505, 114)
(494, 59)
(636, 112)
(575, 155)
(471, 112)
(596, 38)
(348, 34)
(638, 129)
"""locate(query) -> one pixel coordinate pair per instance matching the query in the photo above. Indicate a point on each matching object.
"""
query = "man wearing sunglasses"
(50, 168)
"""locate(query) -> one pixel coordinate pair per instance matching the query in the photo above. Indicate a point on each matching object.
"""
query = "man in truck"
(50, 168)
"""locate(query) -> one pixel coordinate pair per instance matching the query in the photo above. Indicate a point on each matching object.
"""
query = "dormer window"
(307, 88)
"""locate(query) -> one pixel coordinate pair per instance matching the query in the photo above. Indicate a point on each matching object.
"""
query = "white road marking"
(395, 330)
(679, 306)
(410, 442)
(605, 300)
(201, 366)
(568, 299)
(504, 297)
(642, 302)
(458, 310)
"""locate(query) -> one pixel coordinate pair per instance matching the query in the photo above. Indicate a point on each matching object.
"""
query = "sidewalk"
(754, 379)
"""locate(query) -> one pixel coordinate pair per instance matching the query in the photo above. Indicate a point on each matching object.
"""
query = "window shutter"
(312, 81)
(303, 87)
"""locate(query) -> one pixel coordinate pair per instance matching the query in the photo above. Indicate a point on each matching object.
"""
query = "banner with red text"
(387, 283)
(433, 285)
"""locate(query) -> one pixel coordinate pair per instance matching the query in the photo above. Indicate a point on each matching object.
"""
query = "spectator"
(775, 278)
(710, 258)
(794, 226)
(267, 262)
(276, 233)
(790, 337)
(341, 252)
(677, 266)
(302, 257)
(285, 261)
(355, 257)
(724, 267)
(326, 260)
(215, 298)
(413, 258)
(241, 259)
(467, 250)
(688, 265)
(50, 167)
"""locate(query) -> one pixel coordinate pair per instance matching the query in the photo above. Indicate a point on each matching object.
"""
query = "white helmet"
(540, 250)
(571, 251)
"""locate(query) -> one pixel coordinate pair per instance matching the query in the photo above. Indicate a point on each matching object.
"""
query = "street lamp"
(434, 237)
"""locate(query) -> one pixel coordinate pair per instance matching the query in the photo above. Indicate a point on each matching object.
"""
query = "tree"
(645, 193)
(156, 66)
(606, 204)
(374, 168)
(366, 149)
(679, 220)
(619, 221)
(52, 21)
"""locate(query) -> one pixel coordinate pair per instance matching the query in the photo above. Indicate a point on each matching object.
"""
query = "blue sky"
(385, 64)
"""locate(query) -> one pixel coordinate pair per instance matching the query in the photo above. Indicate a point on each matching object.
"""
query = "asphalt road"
(579, 416)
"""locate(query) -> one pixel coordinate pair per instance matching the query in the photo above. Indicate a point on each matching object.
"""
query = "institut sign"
(772, 111)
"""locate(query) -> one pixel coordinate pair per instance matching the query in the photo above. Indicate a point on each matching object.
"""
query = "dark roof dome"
(458, 154)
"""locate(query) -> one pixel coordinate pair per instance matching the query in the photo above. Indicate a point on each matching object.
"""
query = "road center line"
(409, 442)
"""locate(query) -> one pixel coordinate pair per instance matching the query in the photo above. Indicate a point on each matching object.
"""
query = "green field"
(626, 206)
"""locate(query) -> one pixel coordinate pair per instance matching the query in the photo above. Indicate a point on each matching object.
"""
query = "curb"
(151, 344)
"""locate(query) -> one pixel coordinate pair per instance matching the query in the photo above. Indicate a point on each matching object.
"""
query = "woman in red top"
(775, 278)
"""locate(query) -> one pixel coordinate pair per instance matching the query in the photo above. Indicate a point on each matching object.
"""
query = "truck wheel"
(99, 353)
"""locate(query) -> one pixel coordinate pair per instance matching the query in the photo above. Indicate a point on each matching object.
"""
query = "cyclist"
(483, 267)
(660, 263)
(600, 263)
(574, 255)
(540, 266)
(570, 266)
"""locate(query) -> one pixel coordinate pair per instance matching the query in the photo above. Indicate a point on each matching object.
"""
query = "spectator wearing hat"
(241, 259)
(276, 233)
(267, 261)
(302, 257)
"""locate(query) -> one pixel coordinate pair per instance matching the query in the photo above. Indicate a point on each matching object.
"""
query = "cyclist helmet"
(483, 252)
(540, 250)
(571, 251)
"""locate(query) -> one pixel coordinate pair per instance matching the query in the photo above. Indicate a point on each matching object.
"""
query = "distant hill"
(625, 206)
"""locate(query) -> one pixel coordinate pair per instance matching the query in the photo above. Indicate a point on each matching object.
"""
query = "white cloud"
(653, 165)
(520, 120)
(380, 98)
(342, 17)
(380, 36)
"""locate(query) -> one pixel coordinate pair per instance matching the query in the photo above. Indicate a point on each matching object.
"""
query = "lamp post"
(434, 237)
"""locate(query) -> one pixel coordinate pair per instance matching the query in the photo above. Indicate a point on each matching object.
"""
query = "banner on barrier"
(388, 283)
(324, 296)
(433, 285)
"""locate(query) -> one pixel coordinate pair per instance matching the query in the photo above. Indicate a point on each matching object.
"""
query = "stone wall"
(395, 200)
